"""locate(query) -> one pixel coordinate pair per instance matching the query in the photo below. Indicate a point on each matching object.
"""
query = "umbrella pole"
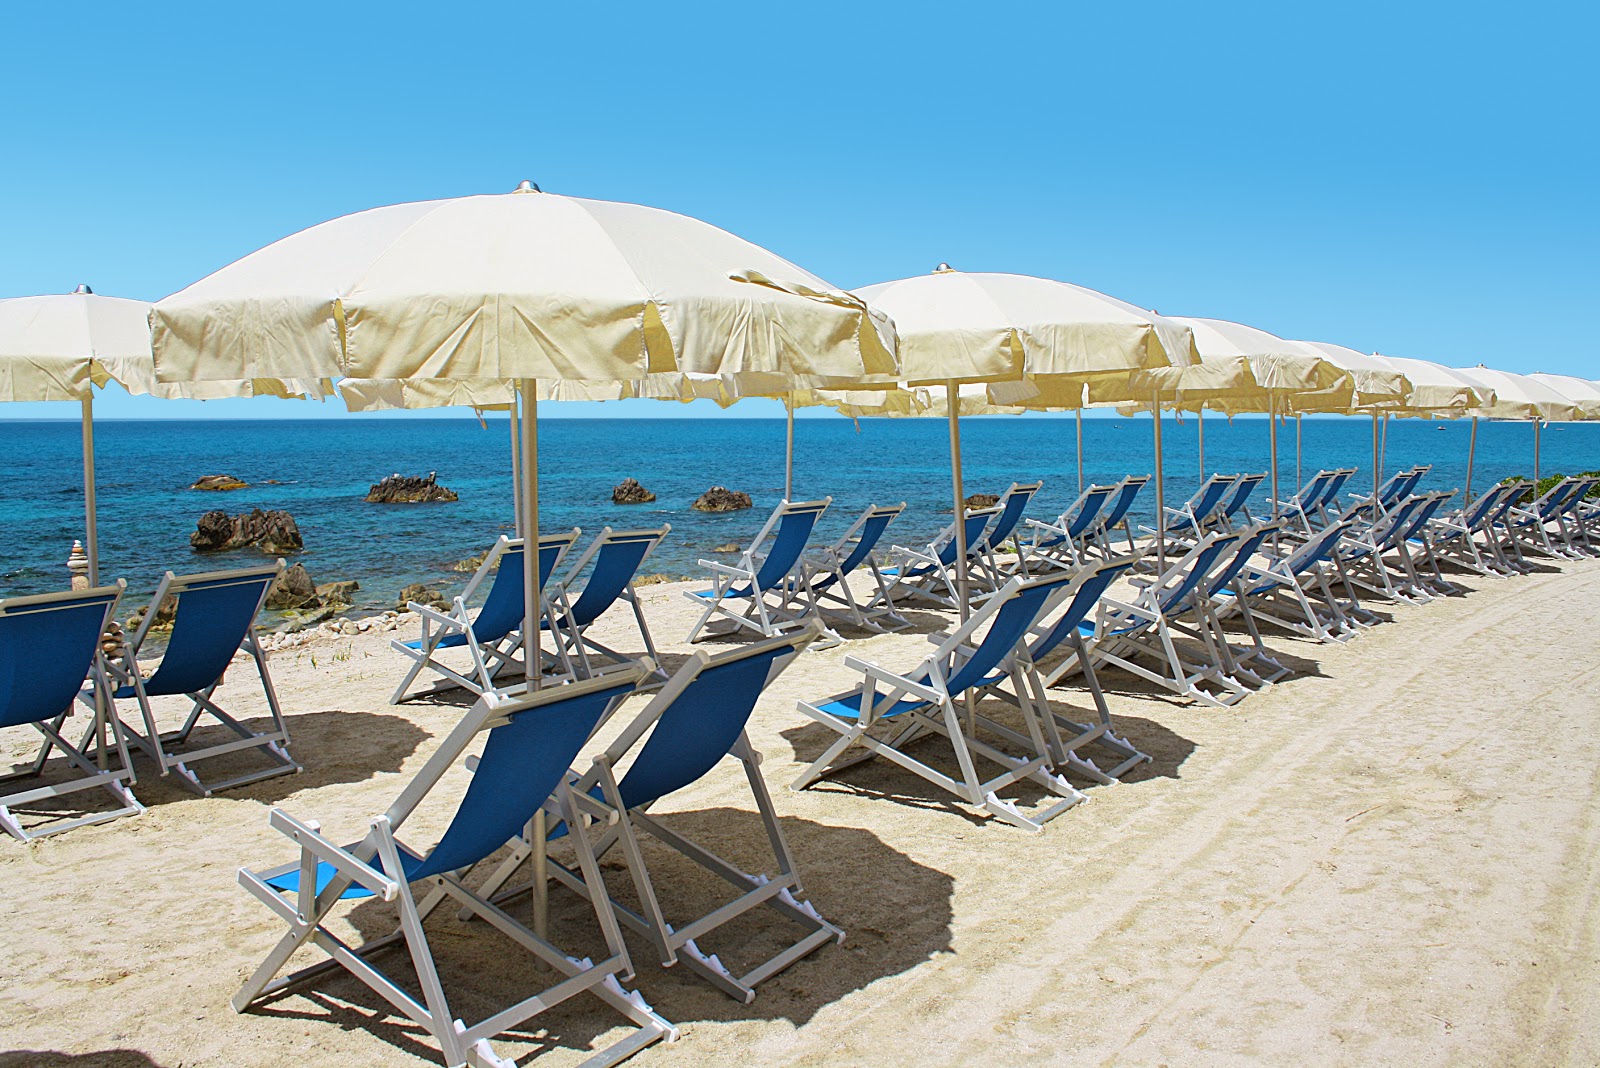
(1080, 448)
(1161, 496)
(788, 448)
(1298, 451)
(516, 469)
(1377, 469)
(1472, 455)
(1535, 457)
(91, 544)
(960, 495)
(529, 472)
(1272, 428)
(1383, 444)
(1200, 428)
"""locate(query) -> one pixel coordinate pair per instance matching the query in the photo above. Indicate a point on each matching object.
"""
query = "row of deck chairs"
(55, 659)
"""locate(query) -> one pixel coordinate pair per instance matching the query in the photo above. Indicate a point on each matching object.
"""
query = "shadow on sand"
(105, 1058)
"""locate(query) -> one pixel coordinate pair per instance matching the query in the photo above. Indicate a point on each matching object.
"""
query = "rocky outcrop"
(982, 500)
(422, 593)
(272, 532)
(409, 489)
(219, 482)
(471, 563)
(338, 593)
(719, 499)
(293, 589)
(628, 491)
(164, 615)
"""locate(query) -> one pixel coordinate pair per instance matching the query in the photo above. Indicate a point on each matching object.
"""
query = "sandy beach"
(1389, 858)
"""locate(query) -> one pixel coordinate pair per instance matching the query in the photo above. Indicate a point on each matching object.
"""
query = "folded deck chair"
(902, 708)
(684, 733)
(1139, 636)
(929, 573)
(493, 638)
(764, 592)
(617, 556)
(531, 741)
(1116, 515)
(216, 618)
(1060, 543)
(1455, 537)
(49, 644)
(828, 571)
(1008, 517)
(1295, 591)
(1193, 518)
(1068, 738)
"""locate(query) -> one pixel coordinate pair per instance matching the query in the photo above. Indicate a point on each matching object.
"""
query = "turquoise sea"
(325, 467)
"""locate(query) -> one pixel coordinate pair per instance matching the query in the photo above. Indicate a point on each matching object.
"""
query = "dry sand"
(1388, 859)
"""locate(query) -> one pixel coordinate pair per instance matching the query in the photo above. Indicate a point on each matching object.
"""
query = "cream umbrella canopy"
(1437, 392)
(527, 287)
(1582, 392)
(957, 327)
(1520, 397)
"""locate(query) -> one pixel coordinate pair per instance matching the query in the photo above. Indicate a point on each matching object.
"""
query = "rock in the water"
(293, 589)
(471, 563)
(421, 593)
(272, 532)
(982, 500)
(730, 547)
(219, 482)
(164, 615)
(718, 499)
(338, 592)
(628, 491)
(409, 489)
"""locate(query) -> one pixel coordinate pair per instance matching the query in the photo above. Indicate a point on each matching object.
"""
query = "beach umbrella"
(522, 287)
(957, 328)
(1519, 397)
(1378, 387)
(1580, 391)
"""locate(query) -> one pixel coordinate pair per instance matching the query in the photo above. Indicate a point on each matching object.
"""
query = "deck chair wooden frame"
(829, 570)
(531, 741)
(49, 644)
(927, 701)
(492, 637)
(216, 618)
(695, 722)
(616, 557)
(769, 581)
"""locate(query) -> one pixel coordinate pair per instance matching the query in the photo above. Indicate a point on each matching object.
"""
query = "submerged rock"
(164, 615)
(409, 489)
(730, 547)
(272, 532)
(471, 563)
(219, 482)
(628, 491)
(293, 589)
(719, 499)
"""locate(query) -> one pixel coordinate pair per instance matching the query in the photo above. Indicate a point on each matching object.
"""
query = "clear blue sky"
(1418, 179)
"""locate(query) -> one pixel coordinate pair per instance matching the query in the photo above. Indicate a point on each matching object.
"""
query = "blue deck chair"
(1396, 490)
(493, 638)
(1455, 537)
(926, 701)
(531, 740)
(697, 719)
(1008, 518)
(1060, 543)
(1192, 518)
(1068, 737)
(1116, 515)
(1529, 524)
(1139, 636)
(1294, 591)
(1253, 665)
(828, 571)
(1302, 506)
(1365, 558)
(1330, 496)
(1237, 503)
(49, 644)
(617, 556)
(216, 618)
(760, 592)
(1569, 521)
(929, 573)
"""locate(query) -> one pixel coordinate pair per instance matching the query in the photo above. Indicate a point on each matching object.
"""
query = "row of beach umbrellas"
(504, 300)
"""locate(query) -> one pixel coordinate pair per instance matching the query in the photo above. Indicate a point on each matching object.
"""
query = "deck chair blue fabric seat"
(1466, 537)
(1060, 543)
(493, 637)
(1116, 516)
(1307, 510)
(1295, 590)
(616, 557)
(765, 592)
(828, 571)
(1009, 511)
(1194, 516)
(1366, 555)
(1069, 738)
(902, 708)
(1396, 490)
(1139, 636)
(696, 721)
(1234, 511)
(929, 573)
(49, 645)
(531, 741)
(216, 618)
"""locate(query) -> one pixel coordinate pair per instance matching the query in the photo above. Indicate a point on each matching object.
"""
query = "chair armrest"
(724, 569)
(311, 841)
(441, 618)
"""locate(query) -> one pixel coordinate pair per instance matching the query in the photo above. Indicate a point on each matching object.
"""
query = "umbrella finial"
(526, 186)
(83, 289)
(943, 268)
